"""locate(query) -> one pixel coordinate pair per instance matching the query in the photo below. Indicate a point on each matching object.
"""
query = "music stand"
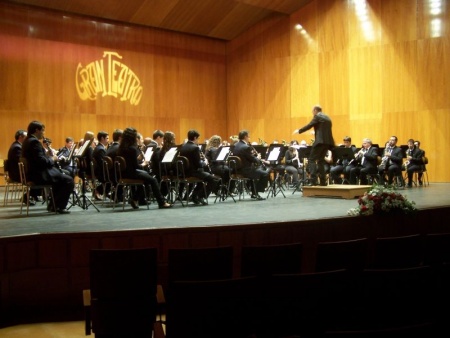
(222, 158)
(343, 153)
(303, 153)
(165, 168)
(274, 156)
(83, 201)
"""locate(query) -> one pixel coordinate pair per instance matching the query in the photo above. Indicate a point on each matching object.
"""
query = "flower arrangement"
(381, 200)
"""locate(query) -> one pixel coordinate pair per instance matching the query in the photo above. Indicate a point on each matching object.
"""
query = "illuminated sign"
(108, 76)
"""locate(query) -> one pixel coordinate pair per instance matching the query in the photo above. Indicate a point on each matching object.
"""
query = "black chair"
(121, 301)
(217, 308)
(351, 255)
(28, 185)
(268, 260)
(241, 182)
(194, 264)
(305, 305)
(126, 183)
(396, 298)
(397, 252)
(185, 182)
(436, 249)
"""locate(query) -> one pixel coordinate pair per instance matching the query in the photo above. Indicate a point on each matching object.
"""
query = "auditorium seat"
(121, 301)
(271, 259)
(397, 252)
(351, 255)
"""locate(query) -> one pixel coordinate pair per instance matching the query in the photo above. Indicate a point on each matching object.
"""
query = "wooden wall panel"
(381, 76)
(182, 76)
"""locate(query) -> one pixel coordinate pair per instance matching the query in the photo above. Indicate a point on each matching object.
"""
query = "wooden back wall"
(380, 74)
(376, 75)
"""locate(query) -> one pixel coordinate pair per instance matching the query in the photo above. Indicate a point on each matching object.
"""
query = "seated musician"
(98, 154)
(414, 162)
(367, 160)
(417, 144)
(197, 165)
(129, 150)
(293, 164)
(218, 168)
(165, 142)
(250, 164)
(342, 165)
(42, 170)
(392, 162)
(63, 157)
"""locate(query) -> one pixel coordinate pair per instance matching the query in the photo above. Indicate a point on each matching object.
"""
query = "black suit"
(322, 143)
(393, 165)
(197, 169)
(14, 153)
(249, 169)
(368, 165)
(42, 170)
(415, 163)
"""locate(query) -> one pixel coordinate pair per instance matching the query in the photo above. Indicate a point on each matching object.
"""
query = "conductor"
(323, 142)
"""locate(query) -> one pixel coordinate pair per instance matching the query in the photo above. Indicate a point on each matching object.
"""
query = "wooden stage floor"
(293, 207)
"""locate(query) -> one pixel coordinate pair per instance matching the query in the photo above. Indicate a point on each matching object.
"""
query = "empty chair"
(419, 330)
(306, 304)
(396, 297)
(121, 301)
(193, 264)
(271, 259)
(351, 255)
(218, 308)
(436, 249)
(397, 252)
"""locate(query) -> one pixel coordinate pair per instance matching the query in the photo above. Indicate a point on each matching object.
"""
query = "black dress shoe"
(258, 197)
(50, 207)
(166, 206)
(62, 211)
(134, 204)
(202, 201)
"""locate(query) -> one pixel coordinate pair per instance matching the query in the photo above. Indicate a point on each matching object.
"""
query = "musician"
(197, 165)
(114, 147)
(392, 162)
(251, 164)
(157, 142)
(367, 160)
(343, 165)
(323, 142)
(14, 154)
(414, 162)
(112, 152)
(46, 143)
(42, 170)
(417, 144)
(218, 168)
(293, 164)
(98, 155)
(129, 150)
(63, 157)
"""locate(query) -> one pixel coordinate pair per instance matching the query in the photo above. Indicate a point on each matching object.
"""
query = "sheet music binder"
(223, 154)
(148, 153)
(170, 155)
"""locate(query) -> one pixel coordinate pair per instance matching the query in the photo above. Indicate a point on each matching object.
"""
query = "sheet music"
(273, 156)
(83, 148)
(170, 155)
(223, 154)
(148, 153)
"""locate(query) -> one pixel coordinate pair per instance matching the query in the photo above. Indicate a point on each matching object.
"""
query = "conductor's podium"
(336, 190)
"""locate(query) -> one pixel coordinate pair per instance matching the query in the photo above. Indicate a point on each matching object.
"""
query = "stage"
(295, 207)
(44, 258)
